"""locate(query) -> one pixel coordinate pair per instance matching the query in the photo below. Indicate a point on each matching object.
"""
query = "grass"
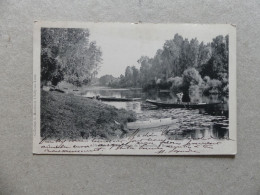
(71, 117)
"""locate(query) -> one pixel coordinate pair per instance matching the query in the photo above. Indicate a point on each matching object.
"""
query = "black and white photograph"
(134, 88)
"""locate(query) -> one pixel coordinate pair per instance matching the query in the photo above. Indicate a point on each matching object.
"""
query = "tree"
(145, 76)
(128, 76)
(177, 83)
(191, 77)
(204, 55)
(179, 66)
(184, 63)
(217, 66)
(171, 56)
(73, 58)
(156, 70)
(51, 71)
(106, 80)
(135, 76)
(194, 53)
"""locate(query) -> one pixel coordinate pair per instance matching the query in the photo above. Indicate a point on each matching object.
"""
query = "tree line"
(181, 66)
(68, 55)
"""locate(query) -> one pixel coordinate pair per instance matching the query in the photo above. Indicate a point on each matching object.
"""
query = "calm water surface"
(194, 123)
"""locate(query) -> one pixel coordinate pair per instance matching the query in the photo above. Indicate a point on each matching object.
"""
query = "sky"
(122, 44)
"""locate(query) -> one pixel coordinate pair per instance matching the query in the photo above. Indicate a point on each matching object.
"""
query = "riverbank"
(71, 117)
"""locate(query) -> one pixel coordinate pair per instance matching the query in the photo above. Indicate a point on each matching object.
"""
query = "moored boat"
(152, 123)
(187, 105)
(105, 98)
(164, 91)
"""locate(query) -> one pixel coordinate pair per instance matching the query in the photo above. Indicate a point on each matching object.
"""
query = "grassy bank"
(71, 117)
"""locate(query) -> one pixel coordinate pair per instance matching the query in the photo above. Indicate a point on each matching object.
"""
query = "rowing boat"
(152, 123)
(181, 105)
(114, 99)
(118, 99)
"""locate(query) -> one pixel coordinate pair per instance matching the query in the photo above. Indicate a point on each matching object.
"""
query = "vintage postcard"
(134, 89)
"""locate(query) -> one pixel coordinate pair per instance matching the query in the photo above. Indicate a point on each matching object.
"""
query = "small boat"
(114, 99)
(58, 90)
(151, 123)
(164, 91)
(181, 105)
(118, 99)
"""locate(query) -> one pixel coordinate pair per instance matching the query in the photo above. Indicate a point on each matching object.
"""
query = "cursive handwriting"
(141, 142)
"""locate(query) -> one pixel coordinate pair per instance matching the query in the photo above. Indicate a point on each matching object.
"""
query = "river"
(192, 124)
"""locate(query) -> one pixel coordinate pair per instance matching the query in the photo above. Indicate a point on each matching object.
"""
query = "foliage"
(177, 83)
(67, 54)
(195, 93)
(180, 66)
(217, 66)
(130, 79)
(212, 85)
(106, 80)
(51, 70)
(191, 77)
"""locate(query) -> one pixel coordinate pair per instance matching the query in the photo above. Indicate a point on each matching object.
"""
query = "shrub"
(177, 83)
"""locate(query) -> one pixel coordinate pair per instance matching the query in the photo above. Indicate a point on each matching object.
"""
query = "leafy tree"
(211, 85)
(184, 63)
(177, 83)
(106, 80)
(145, 76)
(135, 76)
(218, 63)
(179, 66)
(156, 70)
(51, 71)
(195, 93)
(204, 55)
(191, 77)
(73, 58)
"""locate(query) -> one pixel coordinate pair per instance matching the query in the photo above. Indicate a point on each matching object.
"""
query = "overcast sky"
(123, 44)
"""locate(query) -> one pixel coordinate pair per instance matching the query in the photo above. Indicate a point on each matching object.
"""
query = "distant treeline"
(181, 66)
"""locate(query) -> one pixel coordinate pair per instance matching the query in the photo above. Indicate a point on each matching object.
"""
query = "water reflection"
(133, 106)
(191, 123)
(211, 122)
(118, 93)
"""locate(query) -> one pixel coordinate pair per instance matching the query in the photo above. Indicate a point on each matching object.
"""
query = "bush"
(191, 77)
(212, 85)
(177, 83)
(195, 93)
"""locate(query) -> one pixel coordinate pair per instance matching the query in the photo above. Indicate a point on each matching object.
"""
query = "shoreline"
(69, 116)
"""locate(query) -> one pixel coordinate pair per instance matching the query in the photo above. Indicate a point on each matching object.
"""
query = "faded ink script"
(140, 142)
